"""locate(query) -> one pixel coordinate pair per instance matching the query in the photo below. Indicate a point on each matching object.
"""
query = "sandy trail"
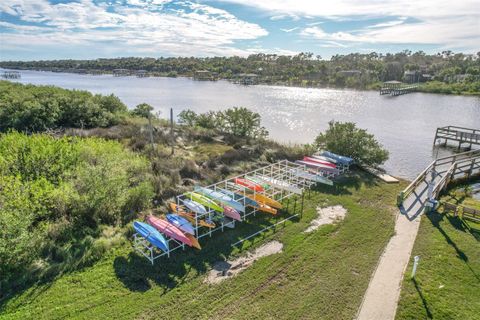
(327, 215)
(226, 269)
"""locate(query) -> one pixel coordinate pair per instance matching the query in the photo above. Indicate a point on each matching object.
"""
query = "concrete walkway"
(381, 298)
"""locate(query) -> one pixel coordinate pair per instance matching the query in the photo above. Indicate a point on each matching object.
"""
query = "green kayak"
(264, 185)
(203, 200)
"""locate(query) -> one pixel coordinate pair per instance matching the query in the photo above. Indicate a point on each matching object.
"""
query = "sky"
(89, 29)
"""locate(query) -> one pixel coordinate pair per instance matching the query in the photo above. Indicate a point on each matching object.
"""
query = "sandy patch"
(226, 269)
(327, 215)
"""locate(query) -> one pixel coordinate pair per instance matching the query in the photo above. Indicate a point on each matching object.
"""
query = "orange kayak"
(266, 208)
(266, 200)
(190, 216)
(194, 241)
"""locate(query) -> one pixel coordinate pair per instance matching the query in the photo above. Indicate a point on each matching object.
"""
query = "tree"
(242, 122)
(142, 110)
(348, 140)
(188, 117)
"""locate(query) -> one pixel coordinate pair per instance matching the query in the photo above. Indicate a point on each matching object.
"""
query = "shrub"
(348, 140)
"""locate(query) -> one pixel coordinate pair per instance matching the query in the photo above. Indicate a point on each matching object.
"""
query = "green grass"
(321, 275)
(447, 284)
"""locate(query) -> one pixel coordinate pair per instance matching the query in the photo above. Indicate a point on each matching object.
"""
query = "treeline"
(354, 70)
(38, 108)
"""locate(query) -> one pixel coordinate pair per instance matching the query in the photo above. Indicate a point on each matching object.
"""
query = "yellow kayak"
(190, 216)
(266, 200)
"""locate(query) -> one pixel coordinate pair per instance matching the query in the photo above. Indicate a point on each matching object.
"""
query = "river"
(405, 125)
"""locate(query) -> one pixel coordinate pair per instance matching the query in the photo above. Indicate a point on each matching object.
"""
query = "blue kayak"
(151, 235)
(342, 159)
(181, 223)
(240, 198)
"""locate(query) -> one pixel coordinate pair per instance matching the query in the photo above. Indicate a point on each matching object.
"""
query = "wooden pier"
(11, 75)
(397, 88)
(459, 134)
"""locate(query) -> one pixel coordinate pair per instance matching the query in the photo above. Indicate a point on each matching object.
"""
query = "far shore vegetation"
(445, 72)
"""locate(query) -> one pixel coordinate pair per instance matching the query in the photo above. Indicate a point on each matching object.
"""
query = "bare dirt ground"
(327, 215)
(226, 269)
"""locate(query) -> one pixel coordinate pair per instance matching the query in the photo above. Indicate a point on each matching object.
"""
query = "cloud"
(289, 30)
(445, 23)
(147, 26)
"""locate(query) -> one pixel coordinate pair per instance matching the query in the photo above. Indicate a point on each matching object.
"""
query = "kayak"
(151, 235)
(280, 184)
(342, 159)
(221, 197)
(168, 229)
(327, 159)
(266, 208)
(318, 166)
(327, 163)
(181, 223)
(260, 198)
(204, 201)
(194, 241)
(231, 213)
(264, 185)
(240, 198)
(190, 216)
(313, 177)
(249, 184)
(195, 207)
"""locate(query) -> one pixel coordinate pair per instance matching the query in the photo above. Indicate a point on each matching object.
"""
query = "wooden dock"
(380, 175)
(397, 88)
(11, 75)
(459, 134)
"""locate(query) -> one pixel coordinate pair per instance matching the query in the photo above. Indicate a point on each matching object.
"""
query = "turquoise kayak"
(221, 197)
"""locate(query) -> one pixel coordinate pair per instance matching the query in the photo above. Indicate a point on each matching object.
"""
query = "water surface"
(405, 125)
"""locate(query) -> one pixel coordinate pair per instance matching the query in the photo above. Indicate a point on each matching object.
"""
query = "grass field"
(321, 275)
(447, 284)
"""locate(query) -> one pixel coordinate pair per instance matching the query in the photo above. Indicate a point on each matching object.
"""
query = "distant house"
(426, 77)
(248, 78)
(141, 73)
(121, 72)
(203, 75)
(411, 76)
(350, 73)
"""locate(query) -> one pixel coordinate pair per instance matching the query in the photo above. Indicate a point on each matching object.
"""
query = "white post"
(416, 259)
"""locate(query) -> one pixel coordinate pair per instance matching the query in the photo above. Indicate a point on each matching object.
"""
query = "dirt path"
(381, 298)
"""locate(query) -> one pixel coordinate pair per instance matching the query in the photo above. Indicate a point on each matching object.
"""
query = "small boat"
(168, 229)
(194, 241)
(254, 179)
(232, 213)
(195, 207)
(181, 223)
(240, 198)
(260, 198)
(151, 235)
(266, 208)
(221, 197)
(342, 159)
(327, 163)
(190, 216)
(204, 201)
(311, 176)
(249, 184)
(280, 184)
(318, 166)
(327, 159)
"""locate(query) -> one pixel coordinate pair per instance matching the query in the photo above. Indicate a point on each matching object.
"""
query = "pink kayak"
(326, 163)
(249, 184)
(318, 166)
(168, 229)
(231, 213)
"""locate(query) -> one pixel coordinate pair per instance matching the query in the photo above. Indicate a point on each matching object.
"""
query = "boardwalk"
(458, 134)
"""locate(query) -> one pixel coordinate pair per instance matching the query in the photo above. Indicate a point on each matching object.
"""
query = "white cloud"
(195, 29)
(446, 23)
(289, 30)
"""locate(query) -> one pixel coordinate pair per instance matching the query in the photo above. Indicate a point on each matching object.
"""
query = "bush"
(56, 192)
(143, 110)
(348, 140)
(39, 108)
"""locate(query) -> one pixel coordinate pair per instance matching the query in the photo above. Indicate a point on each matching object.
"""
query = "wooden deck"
(397, 88)
(458, 134)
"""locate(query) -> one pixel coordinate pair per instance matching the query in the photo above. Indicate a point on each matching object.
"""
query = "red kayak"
(168, 229)
(249, 184)
(326, 163)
